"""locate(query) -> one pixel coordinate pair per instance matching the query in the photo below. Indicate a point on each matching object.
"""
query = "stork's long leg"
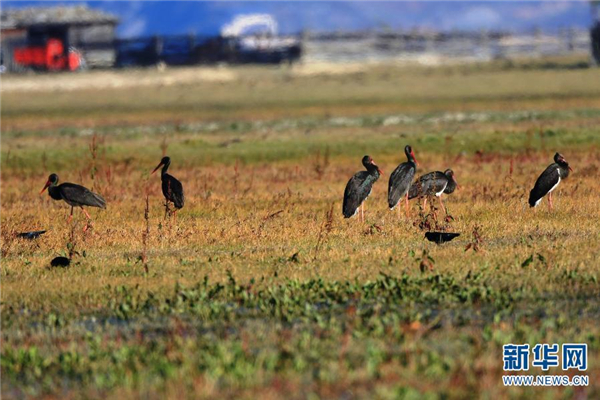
(166, 208)
(442, 204)
(86, 213)
(406, 202)
(70, 218)
(88, 224)
(424, 203)
(550, 201)
(362, 212)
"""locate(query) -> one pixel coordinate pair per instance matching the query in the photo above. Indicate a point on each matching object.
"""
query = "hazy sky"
(169, 17)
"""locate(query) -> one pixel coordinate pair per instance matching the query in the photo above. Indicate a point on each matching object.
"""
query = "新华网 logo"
(516, 356)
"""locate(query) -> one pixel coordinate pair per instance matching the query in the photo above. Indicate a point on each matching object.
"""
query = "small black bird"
(549, 180)
(172, 189)
(60, 262)
(31, 235)
(434, 183)
(73, 194)
(401, 179)
(359, 188)
(440, 237)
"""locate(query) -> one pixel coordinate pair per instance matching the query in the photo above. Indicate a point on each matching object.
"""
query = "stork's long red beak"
(412, 153)
(570, 169)
(45, 187)
(457, 185)
(157, 167)
(378, 170)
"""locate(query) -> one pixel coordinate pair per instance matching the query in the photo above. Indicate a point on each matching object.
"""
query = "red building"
(57, 38)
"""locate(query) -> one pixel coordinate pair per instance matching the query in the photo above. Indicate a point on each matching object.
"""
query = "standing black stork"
(549, 180)
(434, 183)
(401, 179)
(172, 189)
(359, 188)
(73, 194)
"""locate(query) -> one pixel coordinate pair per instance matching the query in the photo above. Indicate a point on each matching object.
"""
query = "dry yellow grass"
(227, 218)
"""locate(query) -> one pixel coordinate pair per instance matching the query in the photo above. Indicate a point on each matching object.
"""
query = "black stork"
(359, 188)
(434, 183)
(73, 194)
(172, 189)
(549, 180)
(401, 179)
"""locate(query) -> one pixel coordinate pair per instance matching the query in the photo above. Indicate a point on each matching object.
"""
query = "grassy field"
(259, 288)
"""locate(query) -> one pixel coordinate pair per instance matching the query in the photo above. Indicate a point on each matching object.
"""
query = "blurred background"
(51, 36)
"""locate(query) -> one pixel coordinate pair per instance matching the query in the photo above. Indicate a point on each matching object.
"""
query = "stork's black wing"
(77, 195)
(357, 190)
(428, 184)
(400, 182)
(544, 184)
(173, 190)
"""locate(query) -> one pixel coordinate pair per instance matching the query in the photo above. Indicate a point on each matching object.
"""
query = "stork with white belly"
(549, 180)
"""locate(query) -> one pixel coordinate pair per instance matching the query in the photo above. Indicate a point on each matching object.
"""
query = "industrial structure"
(57, 38)
(69, 38)
(251, 38)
